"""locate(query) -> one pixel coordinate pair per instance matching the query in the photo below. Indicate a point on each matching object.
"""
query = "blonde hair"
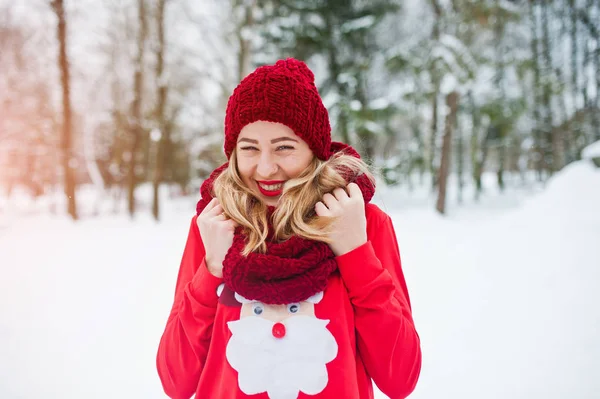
(295, 214)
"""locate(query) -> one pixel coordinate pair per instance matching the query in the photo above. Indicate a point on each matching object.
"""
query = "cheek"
(295, 165)
(244, 169)
(307, 309)
(246, 311)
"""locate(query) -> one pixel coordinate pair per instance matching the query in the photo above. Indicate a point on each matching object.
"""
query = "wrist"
(215, 271)
(349, 247)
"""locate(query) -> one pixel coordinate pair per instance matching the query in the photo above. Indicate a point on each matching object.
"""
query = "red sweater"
(220, 346)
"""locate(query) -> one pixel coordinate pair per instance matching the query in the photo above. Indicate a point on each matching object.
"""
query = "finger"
(219, 217)
(354, 191)
(232, 224)
(217, 210)
(340, 194)
(321, 209)
(330, 201)
(209, 206)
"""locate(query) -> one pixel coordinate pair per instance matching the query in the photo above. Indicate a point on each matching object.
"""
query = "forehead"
(266, 130)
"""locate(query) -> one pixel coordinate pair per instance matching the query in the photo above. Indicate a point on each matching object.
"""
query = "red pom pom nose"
(278, 330)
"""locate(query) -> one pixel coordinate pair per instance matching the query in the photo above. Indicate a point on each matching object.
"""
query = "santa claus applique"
(279, 349)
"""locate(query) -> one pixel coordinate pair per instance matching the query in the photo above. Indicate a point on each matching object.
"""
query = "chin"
(269, 201)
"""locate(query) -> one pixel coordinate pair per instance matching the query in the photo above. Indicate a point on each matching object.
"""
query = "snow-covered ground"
(506, 295)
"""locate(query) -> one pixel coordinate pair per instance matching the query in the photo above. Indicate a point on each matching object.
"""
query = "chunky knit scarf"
(289, 271)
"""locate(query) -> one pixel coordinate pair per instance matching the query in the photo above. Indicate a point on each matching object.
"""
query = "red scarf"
(290, 271)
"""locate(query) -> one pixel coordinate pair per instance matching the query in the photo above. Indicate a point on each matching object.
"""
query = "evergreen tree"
(339, 33)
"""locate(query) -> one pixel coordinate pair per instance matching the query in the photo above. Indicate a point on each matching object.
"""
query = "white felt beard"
(282, 367)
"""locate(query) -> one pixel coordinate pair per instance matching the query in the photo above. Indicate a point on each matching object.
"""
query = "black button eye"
(257, 308)
(293, 307)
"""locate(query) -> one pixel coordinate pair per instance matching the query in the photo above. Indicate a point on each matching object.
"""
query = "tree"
(244, 36)
(538, 136)
(136, 128)
(164, 129)
(341, 33)
(548, 80)
(440, 57)
(592, 56)
(434, 72)
(66, 142)
(452, 105)
(574, 63)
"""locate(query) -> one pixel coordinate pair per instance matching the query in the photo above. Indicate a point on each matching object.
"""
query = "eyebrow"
(277, 140)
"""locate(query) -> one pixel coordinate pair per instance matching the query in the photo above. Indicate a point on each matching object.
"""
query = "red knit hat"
(284, 93)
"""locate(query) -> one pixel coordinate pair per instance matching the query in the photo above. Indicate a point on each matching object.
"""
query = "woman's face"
(268, 154)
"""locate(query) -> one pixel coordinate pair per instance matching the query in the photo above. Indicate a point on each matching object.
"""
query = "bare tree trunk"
(585, 89)
(595, 31)
(549, 154)
(537, 131)
(159, 171)
(480, 166)
(433, 134)
(478, 152)
(596, 111)
(574, 54)
(460, 162)
(66, 142)
(501, 164)
(562, 152)
(434, 100)
(584, 17)
(117, 172)
(575, 127)
(499, 82)
(452, 104)
(136, 107)
(245, 55)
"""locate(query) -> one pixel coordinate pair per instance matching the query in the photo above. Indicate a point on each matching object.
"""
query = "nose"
(266, 165)
(278, 330)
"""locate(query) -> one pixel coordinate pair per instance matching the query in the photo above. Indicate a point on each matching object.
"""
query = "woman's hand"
(216, 231)
(349, 230)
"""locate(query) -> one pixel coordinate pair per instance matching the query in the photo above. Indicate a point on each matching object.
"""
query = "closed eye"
(280, 148)
(284, 147)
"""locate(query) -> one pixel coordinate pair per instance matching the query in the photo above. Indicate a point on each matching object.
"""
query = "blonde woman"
(290, 285)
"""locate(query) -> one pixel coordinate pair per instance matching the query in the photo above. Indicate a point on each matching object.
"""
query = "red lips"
(270, 193)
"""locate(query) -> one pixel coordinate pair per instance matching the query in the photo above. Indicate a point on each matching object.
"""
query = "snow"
(591, 151)
(379, 103)
(359, 23)
(505, 294)
(374, 127)
(449, 58)
(511, 304)
(355, 105)
(458, 47)
(510, 6)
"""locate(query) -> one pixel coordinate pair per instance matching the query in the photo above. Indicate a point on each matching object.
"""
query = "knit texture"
(290, 271)
(296, 269)
(283, 93)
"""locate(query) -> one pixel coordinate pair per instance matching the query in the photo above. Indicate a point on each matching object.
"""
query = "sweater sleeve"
(387, 339)
(184, 344)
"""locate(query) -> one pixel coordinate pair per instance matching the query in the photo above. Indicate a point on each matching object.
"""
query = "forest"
(121, 93)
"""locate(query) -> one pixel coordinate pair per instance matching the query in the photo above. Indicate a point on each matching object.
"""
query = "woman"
(290, 284)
